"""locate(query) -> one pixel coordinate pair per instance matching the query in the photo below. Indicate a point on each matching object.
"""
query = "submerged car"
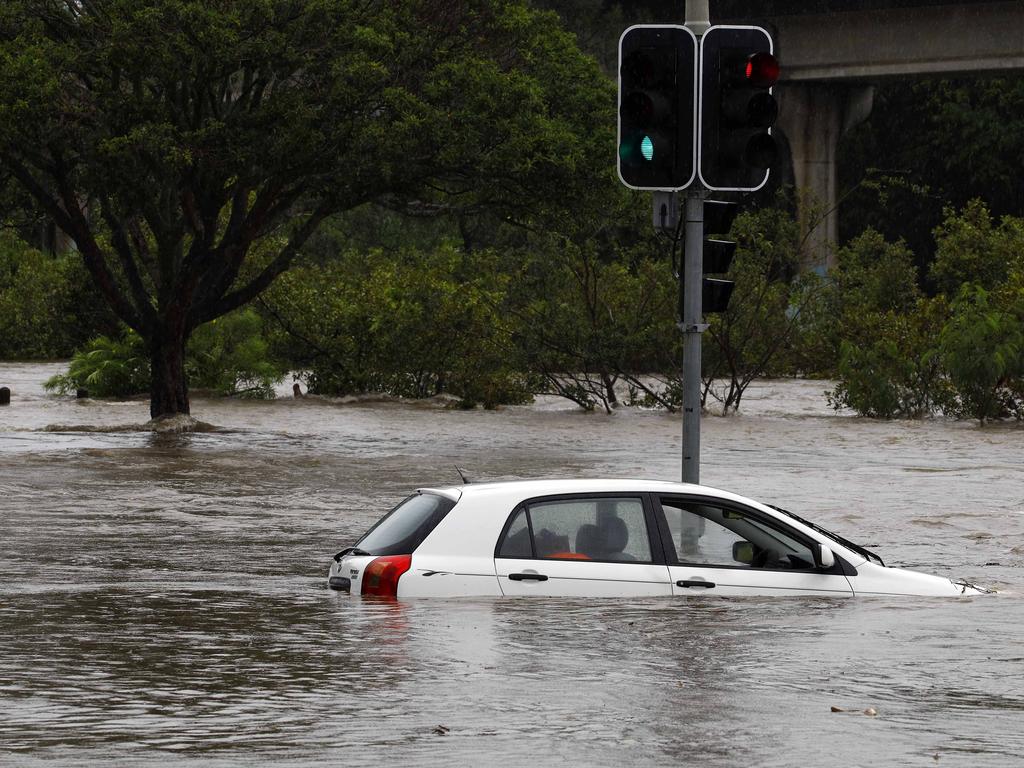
(612, 538)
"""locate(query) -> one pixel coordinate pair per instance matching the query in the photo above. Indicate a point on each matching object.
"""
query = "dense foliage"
(228, 356)
(172, 138)
(966, 143)
(960, 352)
(411, 324)
(48, 306)
(434, 213)
(592, 319)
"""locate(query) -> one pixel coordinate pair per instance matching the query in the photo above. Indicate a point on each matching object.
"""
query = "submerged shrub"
(231, 356)
(982, 348)
(963, 357)
(416, 323)
(107, 368)
(228, 355)
(893, 369)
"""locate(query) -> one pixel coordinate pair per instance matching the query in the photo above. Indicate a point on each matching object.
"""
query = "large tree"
(190, 147)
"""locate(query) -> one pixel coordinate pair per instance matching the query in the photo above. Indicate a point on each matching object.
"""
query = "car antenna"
(465, 480)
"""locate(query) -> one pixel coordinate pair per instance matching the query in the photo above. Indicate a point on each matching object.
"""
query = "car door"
(718, 547)
(594, 546)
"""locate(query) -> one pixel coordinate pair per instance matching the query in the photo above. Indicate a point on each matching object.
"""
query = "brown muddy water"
(163, 600)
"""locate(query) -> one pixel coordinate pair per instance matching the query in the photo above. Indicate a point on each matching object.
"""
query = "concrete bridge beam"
(832, 50)
(813, 117)
(948, 38)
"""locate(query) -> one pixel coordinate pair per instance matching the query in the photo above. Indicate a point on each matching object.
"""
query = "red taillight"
(381, 575)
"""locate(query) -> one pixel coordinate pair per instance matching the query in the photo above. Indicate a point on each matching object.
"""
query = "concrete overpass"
(834, 51)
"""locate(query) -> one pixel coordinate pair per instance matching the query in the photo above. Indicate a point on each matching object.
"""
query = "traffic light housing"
(657, 107)
(737, 108)
(716, 258)
(716, 292)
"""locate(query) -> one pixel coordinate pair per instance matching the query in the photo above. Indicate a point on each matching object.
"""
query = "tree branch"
(123, 249)
(211, 310)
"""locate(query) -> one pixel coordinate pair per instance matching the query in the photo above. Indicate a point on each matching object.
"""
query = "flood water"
(163, 600)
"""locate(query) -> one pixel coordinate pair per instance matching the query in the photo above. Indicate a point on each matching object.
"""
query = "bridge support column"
(813, 117)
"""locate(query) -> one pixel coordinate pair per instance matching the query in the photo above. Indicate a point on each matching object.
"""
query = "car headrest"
(616, 534)
(590, 541)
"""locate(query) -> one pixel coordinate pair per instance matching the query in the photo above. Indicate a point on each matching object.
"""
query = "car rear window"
(405, 527)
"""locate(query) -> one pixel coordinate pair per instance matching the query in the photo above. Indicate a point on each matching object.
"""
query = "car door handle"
(527, 577)
(695, 583)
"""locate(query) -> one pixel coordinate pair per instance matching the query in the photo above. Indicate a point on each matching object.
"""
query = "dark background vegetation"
(573, 294)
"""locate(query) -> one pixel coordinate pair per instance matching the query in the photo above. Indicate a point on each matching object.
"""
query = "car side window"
(517, 539)
(603, 529)
(708, 534)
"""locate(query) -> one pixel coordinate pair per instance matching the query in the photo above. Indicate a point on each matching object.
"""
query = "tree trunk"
(609, 389)
(168, 392)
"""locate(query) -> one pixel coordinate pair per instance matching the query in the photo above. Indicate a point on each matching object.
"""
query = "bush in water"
(231, 356)
(107, 368)
(415, 323)
(228, 355)
(903, 355)
(982, 348)
(893, 369)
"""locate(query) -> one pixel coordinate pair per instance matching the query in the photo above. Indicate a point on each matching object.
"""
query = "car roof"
(520, 490)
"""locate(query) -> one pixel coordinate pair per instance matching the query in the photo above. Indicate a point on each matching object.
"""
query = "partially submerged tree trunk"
(168, 393)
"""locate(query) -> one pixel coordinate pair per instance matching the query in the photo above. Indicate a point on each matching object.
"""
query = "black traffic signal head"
(737, 108)
(717, 256)
(657, 107)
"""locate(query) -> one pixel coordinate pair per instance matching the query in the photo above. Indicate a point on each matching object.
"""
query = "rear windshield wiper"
(863, 551)
(350, 551)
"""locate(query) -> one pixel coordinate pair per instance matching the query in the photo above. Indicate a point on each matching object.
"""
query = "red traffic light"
(737, 108)
(762, 70)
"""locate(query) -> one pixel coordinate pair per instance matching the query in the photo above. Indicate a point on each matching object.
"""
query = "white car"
(610, 538)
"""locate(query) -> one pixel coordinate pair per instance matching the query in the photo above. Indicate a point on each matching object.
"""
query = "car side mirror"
(823, 557)
(743, 552)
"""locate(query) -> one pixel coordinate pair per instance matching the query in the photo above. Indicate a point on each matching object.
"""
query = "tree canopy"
(191, 148)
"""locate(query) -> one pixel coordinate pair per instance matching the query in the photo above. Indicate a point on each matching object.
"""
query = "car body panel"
(873, 579)
(351, 567)
(575, 578)
(753, 581)
(449, 576)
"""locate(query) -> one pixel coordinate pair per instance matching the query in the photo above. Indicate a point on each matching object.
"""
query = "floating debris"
(441, 730)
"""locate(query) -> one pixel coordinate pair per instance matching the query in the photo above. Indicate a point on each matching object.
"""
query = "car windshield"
(864, 551)
(406, 526)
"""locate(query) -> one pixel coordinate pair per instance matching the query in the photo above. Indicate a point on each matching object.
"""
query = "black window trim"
(654, 535)
(839, 568)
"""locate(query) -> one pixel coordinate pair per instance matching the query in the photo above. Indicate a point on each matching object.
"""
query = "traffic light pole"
(695, 113)
(697, 19)
(693, 327)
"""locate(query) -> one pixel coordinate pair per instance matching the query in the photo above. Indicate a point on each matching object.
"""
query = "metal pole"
(693, 327)
(698, 18)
